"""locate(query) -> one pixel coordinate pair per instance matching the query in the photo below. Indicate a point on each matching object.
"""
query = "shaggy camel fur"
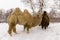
(45, 20)
(17, 17)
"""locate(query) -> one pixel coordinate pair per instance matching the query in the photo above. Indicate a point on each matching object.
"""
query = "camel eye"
(37, 15)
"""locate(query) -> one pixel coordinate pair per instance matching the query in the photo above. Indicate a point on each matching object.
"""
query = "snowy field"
(36, 33)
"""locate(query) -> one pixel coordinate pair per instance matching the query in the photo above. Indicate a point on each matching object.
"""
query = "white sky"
(7, 4)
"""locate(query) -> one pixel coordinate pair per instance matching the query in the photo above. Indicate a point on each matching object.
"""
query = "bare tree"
(39, 5)
(57, 4)
(30, 4)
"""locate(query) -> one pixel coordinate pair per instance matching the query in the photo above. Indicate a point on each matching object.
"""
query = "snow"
(35, 33)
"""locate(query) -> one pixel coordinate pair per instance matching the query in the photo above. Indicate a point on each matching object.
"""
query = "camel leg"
(26, 26)
(42, 26)
(45, 26)
(14, 29)
(27, 29)
(39, 24)
(10, 30)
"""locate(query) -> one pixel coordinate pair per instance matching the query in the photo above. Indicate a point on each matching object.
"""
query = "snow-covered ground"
(36, 33)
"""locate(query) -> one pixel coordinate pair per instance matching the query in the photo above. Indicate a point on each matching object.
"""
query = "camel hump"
(17, 11)
(26, 13)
